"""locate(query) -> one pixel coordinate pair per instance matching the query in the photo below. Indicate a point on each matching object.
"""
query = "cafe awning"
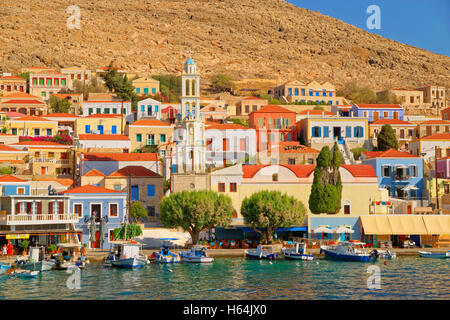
(437, 224)
(376, 225)
(407, 224)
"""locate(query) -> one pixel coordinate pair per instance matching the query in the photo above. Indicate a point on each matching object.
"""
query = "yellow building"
(147, 187)
(48, 159)
(360, 185)
(149, 132)
(404, 131)
(32, 126)
(100, 124)
(14, 158)
(146, 85)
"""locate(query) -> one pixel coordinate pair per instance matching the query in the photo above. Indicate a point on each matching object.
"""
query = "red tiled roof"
(12, 114)
(103, 116)
(61, 115)
(391, 121)
(19, 95)
(32, 118)
(39, 143)
(4, 147)
(18, 101)
(253, 98)
(106, 101)
(90, 189)
(360, 170)
(150, 122)
(391, 153)
(226, 126)
(316, 112)
(10, 178)
(301, 171)
(63, 181)
(102, 137)
(249, 171)
(94, 173)
(295, 147)
(168, 108)
(12, 78)
(437, 136)
(435, 122)
(272, 108)
(379, 106)
(134, 171)
(120, 157)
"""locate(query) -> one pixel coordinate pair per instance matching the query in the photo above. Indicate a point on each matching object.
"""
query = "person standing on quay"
(10, 249)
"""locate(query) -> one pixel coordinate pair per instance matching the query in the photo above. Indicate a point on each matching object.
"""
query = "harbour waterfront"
(240, 278)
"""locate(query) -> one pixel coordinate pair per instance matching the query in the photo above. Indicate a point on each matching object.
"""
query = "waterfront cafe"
(393, 230)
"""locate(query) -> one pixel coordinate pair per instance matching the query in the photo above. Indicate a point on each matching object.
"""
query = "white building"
(107, 141)
(148, 108)
(429, 146)
(230, 143)
(108, 107)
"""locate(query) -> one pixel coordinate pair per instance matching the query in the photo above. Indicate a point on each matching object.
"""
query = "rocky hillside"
(242, 38)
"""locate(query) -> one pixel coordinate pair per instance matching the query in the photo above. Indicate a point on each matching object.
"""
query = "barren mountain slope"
(242, 38)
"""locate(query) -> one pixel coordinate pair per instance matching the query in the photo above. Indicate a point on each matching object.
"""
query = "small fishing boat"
(436, 255)
(20, 273)
(4, 267)
(165, 256)
(69, 258)
(298, 252)
(261, 252)
(196, 255)
(385, 254)
(126, 254)
(36, 261)
(349, 250)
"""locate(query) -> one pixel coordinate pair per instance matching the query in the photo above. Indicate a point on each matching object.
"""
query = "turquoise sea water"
(401, 278)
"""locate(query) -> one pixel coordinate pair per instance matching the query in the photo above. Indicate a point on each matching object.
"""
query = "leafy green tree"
(138, 211)
(222, 82)
(6, 170)
(132, 231)
(242, 122)
(25, 75)
(318, 108)
(358, 94)
(169, 86)
(357, 152)
(59, 105)
(387, 97)
(269, 210)
(387, 139)
(195, 211)
(326, 190)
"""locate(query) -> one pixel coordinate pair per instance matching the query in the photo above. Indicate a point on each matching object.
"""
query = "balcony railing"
(50, 160)
(405, 177)
(27, 219)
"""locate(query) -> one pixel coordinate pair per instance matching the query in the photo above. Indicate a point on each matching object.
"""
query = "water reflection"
(239, 278)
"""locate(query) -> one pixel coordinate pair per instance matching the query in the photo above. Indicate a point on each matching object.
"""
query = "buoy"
(385, 262)
(233, 263)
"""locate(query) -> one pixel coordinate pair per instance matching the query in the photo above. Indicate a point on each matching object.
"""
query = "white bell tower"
(190, 136)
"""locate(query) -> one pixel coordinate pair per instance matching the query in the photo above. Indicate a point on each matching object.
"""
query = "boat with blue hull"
(36, 261)
(4, 267)
(25, 274)
(196, 255)
(126, 255)
(165, 256)
(435, 255)
(350, 251)
(261, 252)
(297, 252)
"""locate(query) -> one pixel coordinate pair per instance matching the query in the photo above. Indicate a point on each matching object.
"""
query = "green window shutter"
(139, 137)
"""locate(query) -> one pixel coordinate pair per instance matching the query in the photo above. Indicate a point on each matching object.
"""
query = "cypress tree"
(387, 139)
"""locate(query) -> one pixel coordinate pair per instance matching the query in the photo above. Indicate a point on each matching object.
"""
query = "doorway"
(337, 132)
(96, 211)
(96, 244)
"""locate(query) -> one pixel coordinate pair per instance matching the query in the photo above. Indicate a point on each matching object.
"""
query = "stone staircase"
(346, 153)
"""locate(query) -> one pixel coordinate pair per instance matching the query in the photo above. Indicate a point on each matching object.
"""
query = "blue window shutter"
(174, 168)
(156, 108)
(114, 129)
(153, 90)
(325, 132)
(362, 132)
(348, 132)
(355, 132)
(320, 132)
(312, 133)
(87, 129)
(134, 192)
(142, 108)
(151, 190)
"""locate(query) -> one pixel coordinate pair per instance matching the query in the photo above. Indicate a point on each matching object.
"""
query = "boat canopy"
(69, 245)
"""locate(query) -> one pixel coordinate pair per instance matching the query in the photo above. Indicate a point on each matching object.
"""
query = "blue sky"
(419, 23)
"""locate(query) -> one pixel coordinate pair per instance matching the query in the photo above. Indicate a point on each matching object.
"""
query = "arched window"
(347, 207)
(193, 88)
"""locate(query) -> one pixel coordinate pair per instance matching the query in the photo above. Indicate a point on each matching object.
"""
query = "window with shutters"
(221, 187)
(20, 190)
(113, 210)
(78, 209)
(233, 187)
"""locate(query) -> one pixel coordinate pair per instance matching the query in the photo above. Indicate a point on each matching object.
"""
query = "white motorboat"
(36, 261)
(298, 252)
(20, 273)
(69, 258)
(126, 254)
(165, 256)
(261, 252)
(196, 255)
(436, 255)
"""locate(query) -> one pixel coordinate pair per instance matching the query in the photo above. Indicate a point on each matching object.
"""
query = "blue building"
(108, 207)
(12, 186)
(399, 172)
(375, 112)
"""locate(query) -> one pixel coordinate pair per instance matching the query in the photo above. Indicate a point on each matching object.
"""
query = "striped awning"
(376, 225)
(406, 224)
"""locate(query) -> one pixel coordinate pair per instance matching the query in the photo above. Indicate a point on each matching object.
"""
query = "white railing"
(50, 160)
(41, 218)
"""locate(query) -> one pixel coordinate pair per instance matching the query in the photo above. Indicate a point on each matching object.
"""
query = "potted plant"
(24, 245)
(51, 248)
